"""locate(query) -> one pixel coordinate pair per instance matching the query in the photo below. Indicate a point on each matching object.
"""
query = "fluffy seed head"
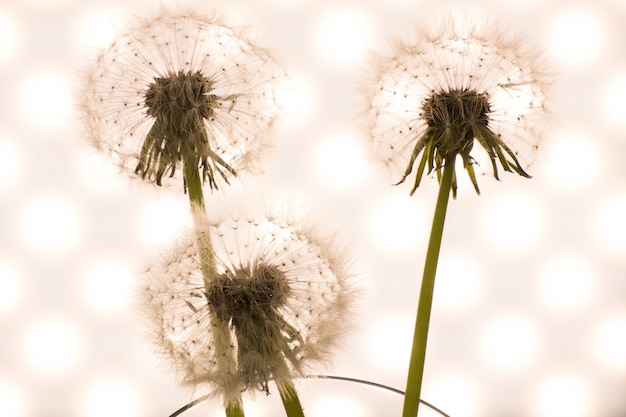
(447, 89)
(283, 292)
(181, 86)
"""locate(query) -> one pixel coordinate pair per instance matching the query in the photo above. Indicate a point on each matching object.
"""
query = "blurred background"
(529, 317)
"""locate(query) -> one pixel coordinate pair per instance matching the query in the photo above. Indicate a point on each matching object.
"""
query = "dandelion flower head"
(450, 88)
(181, 88)
(284, 293)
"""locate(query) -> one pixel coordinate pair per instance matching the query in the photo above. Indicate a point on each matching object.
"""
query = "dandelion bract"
(285, 293)
(182, 86)
(446, 90)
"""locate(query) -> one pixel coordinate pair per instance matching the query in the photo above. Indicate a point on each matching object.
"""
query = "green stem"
(221, 332)
(418, 351)
(291, 402)
(234, 409)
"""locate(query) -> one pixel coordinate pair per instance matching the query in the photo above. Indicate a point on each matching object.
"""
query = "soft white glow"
(512, 222)
(46, 3)
(96, 28)
(612, 100)
(45, 99)
(459, 284)
(389, 343)
(9, 36)
(565, 283)
(297, 100)
(609, 222)
(11, 288)
(160, 222)
(336, 405)
(562, 394)
(396, 225)
(508, 342)
(99, 173)
(455, 393)
(52, 345)
(343, 36)
(50, 224)
(11, 163)
(107, 285)
(574, 161)
(340, 161)
(12, 403)
(577, 36)
(111, 396)
(608, 343)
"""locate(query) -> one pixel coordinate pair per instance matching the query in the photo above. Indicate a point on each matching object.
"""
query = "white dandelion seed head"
(182, 82)
(500, 81)
(284, 291)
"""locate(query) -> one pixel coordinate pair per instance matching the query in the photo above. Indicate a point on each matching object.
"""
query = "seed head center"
(179, 97)
(459, 111)
(248, 292)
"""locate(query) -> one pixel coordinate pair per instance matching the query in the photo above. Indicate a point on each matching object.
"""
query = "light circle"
(342, 36)
(562, 394)
(608, 343)
(459, 284)
(159, 223)
(12, 400)
(608, 225)
(577, 36)
(96, 27)
(512, 223)
(45, 99)
(50, 224)
(339, 161)
(52, 346)
(458, 386)
(508, 342)
(9, 36)
(395, 224)
(11, 163)
(389, 342)
(575, 161)
(107, 285)
(336, 405)
(612, 100)
(11, 287)
(111, 395)
(565, 283)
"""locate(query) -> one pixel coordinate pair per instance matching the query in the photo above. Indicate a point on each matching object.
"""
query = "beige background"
(529, 317)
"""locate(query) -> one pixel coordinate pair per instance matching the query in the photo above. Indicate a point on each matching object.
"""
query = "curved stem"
(221, 332)
(420, 335)
(189, 405)
(333, 377)
(377, 385)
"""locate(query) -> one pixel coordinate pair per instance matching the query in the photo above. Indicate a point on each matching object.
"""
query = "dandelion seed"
(446, 90)
(182, 87)
(284, 292)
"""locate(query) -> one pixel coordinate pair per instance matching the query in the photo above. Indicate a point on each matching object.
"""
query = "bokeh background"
(529, 316)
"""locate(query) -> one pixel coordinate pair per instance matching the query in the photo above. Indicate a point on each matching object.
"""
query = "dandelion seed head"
(284, 291)
(182, 84)
(445, 89)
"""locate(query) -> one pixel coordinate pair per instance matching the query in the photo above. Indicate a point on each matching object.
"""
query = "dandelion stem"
(221, 333)
(291, 402)
(418, 351)
(234, 409)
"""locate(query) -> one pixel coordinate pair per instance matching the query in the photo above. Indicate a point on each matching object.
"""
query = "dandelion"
(182, 89)
(284, 292)
(433, 100)
(452, 88)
